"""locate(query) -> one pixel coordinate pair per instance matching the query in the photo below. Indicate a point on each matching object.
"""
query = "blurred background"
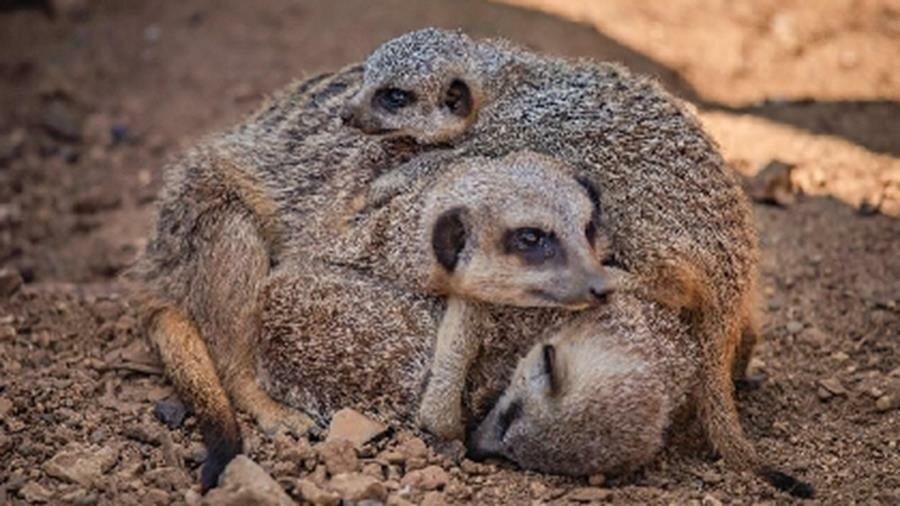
(803, 97)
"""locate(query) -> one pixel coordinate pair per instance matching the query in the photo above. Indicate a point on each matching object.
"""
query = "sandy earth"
(95, 99)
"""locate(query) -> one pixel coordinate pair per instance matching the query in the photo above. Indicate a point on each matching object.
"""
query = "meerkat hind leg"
(188, 364)
(440, 411)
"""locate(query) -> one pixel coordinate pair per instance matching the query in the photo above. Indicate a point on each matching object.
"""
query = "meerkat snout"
(520, 230)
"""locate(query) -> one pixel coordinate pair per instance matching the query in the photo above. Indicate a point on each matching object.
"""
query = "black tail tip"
(221, 448)
(787, 483)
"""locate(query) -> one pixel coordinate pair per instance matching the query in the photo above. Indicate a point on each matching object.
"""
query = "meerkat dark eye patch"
(533, 245)
(509, 415)
(549, 356)
(459, 98)
(392, 99)
(448, 238)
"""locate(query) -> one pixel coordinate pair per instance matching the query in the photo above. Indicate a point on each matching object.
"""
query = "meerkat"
(518, 231)
(230, 209)
(680, 222)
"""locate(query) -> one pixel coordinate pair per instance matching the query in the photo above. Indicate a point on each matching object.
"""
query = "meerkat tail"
(188, 364)
(718, 413)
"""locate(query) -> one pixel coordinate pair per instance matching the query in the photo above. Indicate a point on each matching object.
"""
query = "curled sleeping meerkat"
(679, 221)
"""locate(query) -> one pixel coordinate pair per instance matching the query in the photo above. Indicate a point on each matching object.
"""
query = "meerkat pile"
(293, 227)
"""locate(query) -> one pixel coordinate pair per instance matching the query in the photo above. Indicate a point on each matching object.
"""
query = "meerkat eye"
(393, 99)
(527, 239)
(534, 245)
(458, 98)
(509, 416)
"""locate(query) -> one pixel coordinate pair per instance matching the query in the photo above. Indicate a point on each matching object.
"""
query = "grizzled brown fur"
(677, 218)
(232, 208)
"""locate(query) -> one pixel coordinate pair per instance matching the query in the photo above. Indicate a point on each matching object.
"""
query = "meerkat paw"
(442, 419)
(287, 419)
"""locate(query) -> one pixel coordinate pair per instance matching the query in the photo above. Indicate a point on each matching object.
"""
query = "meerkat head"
(521, 230)
(577, 405)
(428, 85)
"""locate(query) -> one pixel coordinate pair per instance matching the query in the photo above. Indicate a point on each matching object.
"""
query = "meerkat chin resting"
(679, 220)
(519, 231)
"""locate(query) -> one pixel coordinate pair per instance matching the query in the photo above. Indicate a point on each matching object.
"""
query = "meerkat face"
(418, 85)
(428, 112)
(521, 231)
(576, 408)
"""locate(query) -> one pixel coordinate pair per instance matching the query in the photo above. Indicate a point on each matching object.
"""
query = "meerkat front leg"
(440, 411)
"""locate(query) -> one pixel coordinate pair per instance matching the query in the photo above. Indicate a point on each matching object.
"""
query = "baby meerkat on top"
(433, 93)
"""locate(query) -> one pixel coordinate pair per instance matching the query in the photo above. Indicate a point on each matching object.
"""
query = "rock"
(95, 201)
(169, 478)
(156, 497)
(310, 492)
(6, 407)
(391, 457)
(475, 468)
(589, 495)
(244, 483)
(429, 478)
(10, 216)
(11, 145)
(597, 480)
(7, 332)
(355, 487)
(433, 498)
(80, 497)
(773, 184)
(339, 456)
(709, 477)
(301, 453)
(192, 497)
(170, 412)
(143, 432)
(538, 489)
(80, 464)
(890, 400)
(794, 327)
(413, 448)
(833, 386)
(374, 470)
(813, 337)
(354, 427)
(710, 500)
(62, 121)
(34, 492)
(10, 282)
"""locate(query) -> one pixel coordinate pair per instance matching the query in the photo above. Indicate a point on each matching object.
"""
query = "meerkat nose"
(600, 289)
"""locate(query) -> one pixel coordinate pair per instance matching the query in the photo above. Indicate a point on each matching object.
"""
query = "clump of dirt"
(97, 94)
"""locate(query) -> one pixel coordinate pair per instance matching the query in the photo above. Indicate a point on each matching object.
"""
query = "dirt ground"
(95, 95)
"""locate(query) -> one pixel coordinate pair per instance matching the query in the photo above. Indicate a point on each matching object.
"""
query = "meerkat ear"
(549, 354)
(591, 190)
(448, 238)
(459, 98)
